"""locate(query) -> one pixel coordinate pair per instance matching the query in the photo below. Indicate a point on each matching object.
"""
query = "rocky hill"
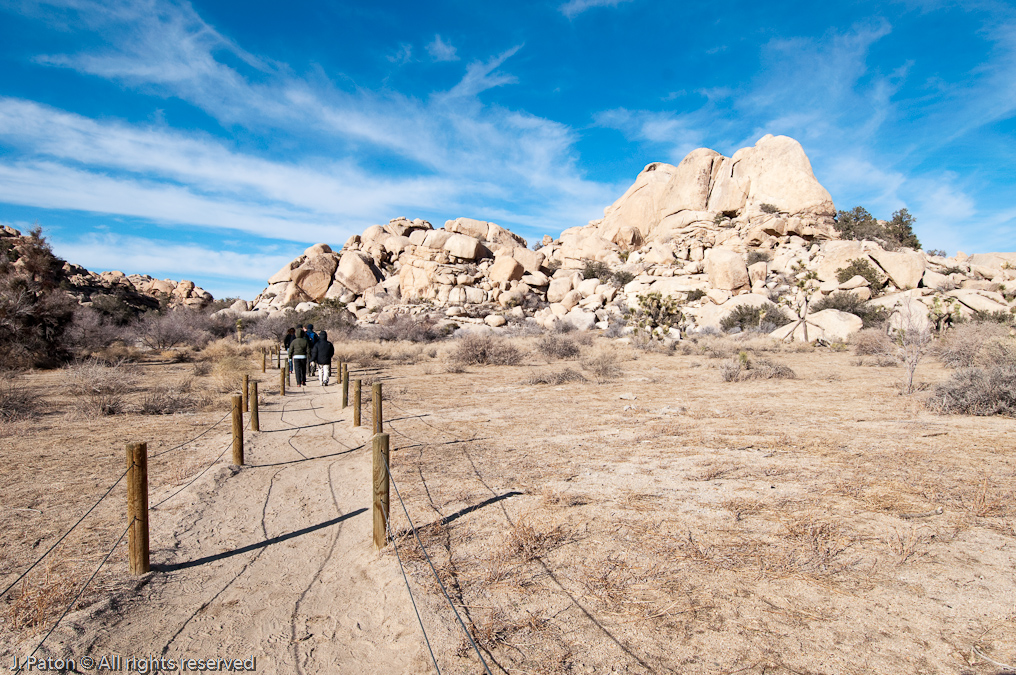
(714, 233)
(138, 292)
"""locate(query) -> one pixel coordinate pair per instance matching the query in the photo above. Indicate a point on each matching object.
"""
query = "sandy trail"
(273, 560)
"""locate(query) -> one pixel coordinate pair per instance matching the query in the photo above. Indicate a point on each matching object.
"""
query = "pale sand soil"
(713, 527)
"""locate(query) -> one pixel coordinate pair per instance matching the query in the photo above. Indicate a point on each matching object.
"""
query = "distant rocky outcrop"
(139, 292)
(713, 232)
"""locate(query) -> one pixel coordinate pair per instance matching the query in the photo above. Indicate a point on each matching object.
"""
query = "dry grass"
(554, 347)
(555, 378)
(744, 369)
(17, 401)
(604, 364)
(101, 388)
(486, 350)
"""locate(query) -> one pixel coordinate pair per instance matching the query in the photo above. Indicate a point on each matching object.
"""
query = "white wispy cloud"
(440, 50)
(459, 156)
(573, 8)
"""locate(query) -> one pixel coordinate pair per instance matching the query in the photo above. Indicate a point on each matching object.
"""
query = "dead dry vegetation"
(798, 516)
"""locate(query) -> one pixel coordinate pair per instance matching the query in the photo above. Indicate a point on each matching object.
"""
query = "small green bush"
(655, 316)
(622, 278)
(937, 252)
(769, 208)
(756, 255)
(696, 294)
(859, 224)
(861, 267)
(766, 318)
(742, 369)
(596, 269)
(870, 314)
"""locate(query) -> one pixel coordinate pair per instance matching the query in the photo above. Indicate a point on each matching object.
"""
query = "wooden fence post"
(356, 403)
(375, 405)
(282, 381)
(381, 502)
(345, 386)
(237, 430)
(243, 391)
(137, 508)
(264, 357)
(255, 421)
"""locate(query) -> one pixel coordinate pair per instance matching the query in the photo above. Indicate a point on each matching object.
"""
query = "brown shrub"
(972, 344)
(554, 347)
(604, 365)
(977, 391)
(486, 350)
(872, 342)
(550, 377)
(165, 401)
(100, 388)
(743, 369)
(17, 402)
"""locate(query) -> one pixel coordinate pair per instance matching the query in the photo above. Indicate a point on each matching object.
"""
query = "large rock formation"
(725, 231)
(139, 292)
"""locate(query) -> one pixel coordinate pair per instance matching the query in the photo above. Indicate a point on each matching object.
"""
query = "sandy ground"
(655, 520)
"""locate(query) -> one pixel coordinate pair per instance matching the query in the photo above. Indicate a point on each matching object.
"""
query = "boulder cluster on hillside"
(139, 292)
(714, 233)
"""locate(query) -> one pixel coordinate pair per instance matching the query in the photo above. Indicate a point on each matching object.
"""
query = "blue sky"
(215, 140)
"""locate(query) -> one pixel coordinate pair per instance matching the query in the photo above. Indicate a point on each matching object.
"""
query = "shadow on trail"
(303, 426)
(255, 547)
(307, 459)
(463, 512)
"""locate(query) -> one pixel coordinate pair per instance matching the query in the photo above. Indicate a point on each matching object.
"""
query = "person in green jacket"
(299, 350)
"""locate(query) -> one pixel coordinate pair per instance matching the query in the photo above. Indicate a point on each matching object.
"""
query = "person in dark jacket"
(321, 354)
(312, 339)
(298, 352)
(290, 336)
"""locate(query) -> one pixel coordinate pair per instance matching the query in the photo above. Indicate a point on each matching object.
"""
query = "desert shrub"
(90, 331)
(101, 388)
(765, 319)
(911, 339)
(408, 328)
(34, 310)
(486, 350)
(937, 252)
(551, 377)
(756, 255)
(269, 327)
(845, 301)
(563, 327)
(743, 368)
(604, 365)
(172, 328)
(859, 224)
(696, 294)
(596, 269)
(977, 391)
(861, 267)
(165, 401)
(113, 307)
(655, 316)
(554, 347)
(622, 278)
(1001, 316)
(17, 402)
(961, 345)
(768, 208)
(872, 342)
(228, 372)
(202, 368)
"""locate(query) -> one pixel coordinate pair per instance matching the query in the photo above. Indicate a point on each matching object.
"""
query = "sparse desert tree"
(170, 329)
(912, 337)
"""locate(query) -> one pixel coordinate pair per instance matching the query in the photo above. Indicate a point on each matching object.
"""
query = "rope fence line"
(433, 570)
(186, 443)
(76, 597)
(57, 543)
(191, 481)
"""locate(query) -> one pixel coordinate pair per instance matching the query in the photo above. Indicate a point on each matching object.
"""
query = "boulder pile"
(715, 233)
(140, 292)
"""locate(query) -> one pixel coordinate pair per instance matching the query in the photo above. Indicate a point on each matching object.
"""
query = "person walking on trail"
(312, 339)
(298, 352)
(321, 354)
(290, 336)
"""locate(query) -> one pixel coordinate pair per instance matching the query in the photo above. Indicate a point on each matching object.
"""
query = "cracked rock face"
(713, 232)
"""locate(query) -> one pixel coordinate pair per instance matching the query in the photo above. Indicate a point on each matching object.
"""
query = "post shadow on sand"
(463, 512)
(253, 547)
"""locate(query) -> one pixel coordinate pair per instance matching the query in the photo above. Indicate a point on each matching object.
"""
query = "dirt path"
(273, 560)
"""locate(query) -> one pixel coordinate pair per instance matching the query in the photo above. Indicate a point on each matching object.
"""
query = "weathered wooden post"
(381, 502)
(255, 421)
(244, 390)
(356, 403)
(375, 404)
(282, 381)
(237, 430)
(264, 358)
(345, 387)
(137, 508)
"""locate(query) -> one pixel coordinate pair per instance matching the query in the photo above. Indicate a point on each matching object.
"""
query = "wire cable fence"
(77, 597)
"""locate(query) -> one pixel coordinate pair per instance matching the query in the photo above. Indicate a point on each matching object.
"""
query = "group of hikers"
(309, 352)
